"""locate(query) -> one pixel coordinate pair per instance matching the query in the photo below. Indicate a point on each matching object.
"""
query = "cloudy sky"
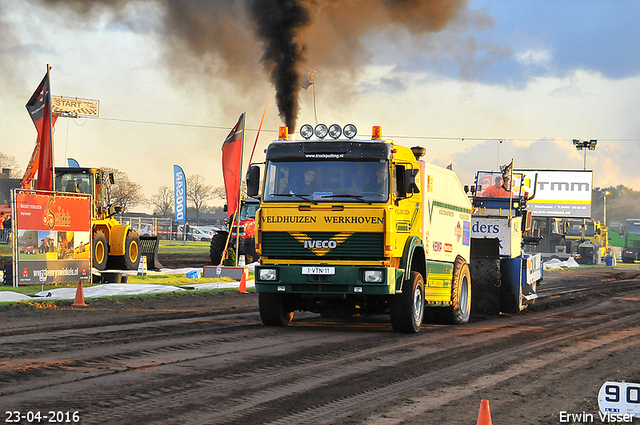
(476, 82)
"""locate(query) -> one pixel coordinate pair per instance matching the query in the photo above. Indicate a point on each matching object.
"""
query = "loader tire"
(485, 292)
(216, 248)
(131, 257)
(100, 250)
(407, 308)
(274, 310)
(460, 310)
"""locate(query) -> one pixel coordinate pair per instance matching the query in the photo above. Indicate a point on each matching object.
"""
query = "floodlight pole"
(586, 145)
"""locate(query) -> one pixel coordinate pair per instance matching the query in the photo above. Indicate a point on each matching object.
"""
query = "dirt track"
(177, 359)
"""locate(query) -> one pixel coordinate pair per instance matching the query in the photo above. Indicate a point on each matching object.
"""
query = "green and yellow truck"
(359, 227)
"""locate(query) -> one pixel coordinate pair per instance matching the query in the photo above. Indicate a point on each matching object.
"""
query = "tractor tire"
(249, 251)
(460, 309)
(131, 257)
(407, 308)
(100, 250)
(216, 249)
(274, 310)
(485, 292)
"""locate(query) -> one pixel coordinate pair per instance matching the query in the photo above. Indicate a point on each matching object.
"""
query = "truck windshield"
(327, 181)
(575, 228)
(633, 227)
(248, 211)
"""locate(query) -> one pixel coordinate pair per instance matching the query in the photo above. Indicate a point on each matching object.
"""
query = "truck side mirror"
(224, 208)
(410, 181)
(253, 181)
(112, 179)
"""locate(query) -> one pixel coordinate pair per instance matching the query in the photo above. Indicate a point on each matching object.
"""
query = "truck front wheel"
(460, 309)
(273, 309)
(407, 308)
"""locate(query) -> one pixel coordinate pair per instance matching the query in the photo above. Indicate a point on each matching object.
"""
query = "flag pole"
(53, 164)
(238, 208)
(259, 128)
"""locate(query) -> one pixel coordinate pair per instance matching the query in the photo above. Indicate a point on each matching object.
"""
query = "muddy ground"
(206, 358)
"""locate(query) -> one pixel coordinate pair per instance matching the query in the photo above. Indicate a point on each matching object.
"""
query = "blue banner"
(180, 194)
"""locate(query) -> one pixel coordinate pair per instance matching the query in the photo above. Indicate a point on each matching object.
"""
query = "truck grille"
(356, 246)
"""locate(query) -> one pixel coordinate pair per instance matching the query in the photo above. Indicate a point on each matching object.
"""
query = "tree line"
(622, 202)
(128, 194)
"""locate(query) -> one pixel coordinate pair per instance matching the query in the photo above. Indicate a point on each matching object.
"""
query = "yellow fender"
(117, 239)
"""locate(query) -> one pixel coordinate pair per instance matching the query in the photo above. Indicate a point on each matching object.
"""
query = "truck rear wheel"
(460, 309)
(217, 247)
(273, 309)
(407, 308)
(100, 250)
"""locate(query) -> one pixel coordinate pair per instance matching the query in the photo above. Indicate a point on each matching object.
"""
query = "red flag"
(232, 164)
(39, 107)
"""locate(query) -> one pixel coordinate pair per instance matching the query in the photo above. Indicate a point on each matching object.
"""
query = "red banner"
(53, 237)
(232, 164)
(39, 108)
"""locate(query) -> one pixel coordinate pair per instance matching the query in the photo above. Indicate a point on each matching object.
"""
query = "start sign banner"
(52, 241)
(558, 193)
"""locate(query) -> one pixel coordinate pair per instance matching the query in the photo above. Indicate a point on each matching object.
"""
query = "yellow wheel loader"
(114, 245)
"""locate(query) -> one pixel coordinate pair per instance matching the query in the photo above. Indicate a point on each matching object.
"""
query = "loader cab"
(84, 180)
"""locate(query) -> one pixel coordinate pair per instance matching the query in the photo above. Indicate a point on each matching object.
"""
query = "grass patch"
(5, 250)
(189, 247)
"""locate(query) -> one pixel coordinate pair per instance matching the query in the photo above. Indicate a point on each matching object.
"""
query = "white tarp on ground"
(557, 264)
(109, 289)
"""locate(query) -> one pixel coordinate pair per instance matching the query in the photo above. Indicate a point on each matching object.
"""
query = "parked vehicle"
(195, 234)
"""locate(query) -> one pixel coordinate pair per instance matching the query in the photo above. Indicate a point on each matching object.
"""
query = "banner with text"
(559, 193)
(180, 194)
(53, 237)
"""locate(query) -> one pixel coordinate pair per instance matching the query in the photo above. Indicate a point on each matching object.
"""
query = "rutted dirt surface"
(206, 358)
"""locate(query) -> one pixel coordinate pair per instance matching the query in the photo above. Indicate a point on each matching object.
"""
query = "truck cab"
(359, 227)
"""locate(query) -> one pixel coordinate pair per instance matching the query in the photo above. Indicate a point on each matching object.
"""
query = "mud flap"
(485, 276)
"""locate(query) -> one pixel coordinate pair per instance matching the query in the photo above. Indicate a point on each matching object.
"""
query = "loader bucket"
(149, 248)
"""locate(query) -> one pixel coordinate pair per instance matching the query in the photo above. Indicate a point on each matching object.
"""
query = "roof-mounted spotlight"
(306, 131)
(350, 131)
(335, 131)
(321, 131)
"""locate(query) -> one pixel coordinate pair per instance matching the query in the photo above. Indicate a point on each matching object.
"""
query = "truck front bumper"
(338, 280)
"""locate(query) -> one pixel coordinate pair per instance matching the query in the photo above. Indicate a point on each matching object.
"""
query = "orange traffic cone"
(243, 283)
(79, 296)
(484, 416)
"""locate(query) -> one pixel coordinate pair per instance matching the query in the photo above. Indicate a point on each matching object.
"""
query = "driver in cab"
(497, 190)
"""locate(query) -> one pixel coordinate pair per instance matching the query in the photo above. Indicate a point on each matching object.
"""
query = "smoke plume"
(241, 39)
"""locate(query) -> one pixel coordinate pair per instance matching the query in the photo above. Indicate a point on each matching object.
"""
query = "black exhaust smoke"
(278, 24)
(202, 38)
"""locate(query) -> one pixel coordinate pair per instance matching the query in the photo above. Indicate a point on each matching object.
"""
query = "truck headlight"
(373, 276)
(268, 274)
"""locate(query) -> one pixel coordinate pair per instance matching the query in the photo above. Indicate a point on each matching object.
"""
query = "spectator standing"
(7, 227)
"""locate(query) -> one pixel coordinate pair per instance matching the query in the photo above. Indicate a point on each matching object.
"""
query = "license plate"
(318, 270)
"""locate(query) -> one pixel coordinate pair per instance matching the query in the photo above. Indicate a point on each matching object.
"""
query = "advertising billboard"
(559, 193)
(52, 240)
